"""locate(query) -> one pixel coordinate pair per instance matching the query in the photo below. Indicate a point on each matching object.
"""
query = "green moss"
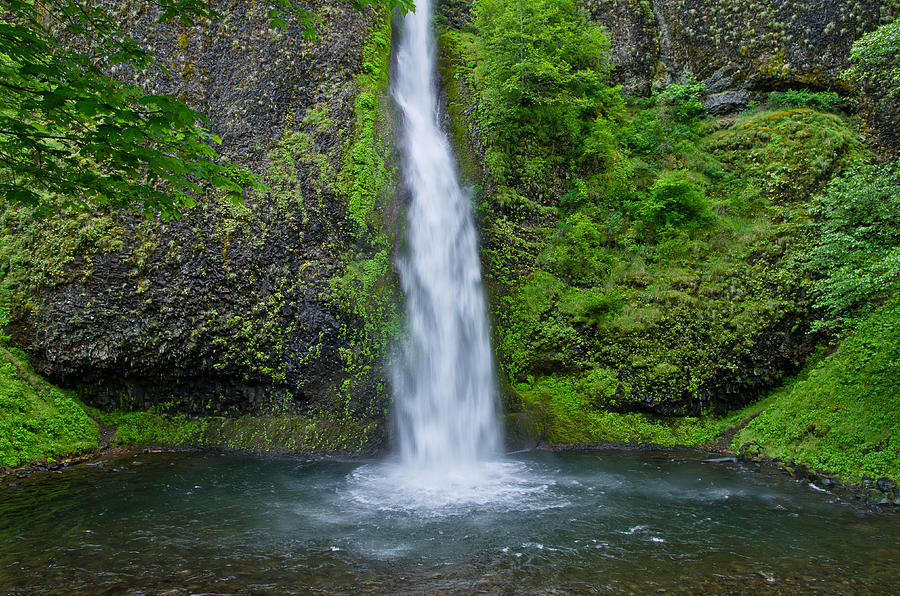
(787, 153)
(842, 416)
(38, 421)
(570, 414)
(281, 434)
(457, 57)
(37, 251)
(366, 289)
(365, 176)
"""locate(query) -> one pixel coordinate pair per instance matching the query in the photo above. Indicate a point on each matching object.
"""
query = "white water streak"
(444, 389)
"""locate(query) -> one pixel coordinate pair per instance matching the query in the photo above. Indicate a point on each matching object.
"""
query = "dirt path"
(723, 441)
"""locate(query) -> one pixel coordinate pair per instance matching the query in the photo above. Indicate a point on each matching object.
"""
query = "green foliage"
(682, 102)
(875, 59)
(675, 200)
(155, 428)
(37, 420)
(69, 130)
(631, 298)
(577, 251)
(542, 67)
(823, 101)
(842, 416)
(366, 176)
(667, 121)
(856, 255)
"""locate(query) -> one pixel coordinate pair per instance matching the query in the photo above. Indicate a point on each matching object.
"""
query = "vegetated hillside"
(657, 253)
(37, 420)
(284, 302)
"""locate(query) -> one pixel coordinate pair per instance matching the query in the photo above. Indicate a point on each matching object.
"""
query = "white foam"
(483, 485)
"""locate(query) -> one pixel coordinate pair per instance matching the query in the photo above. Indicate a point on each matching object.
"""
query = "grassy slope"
(843, 415)
(38, 421)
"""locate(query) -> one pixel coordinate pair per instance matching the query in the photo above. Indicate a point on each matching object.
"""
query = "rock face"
(233, 308)
(756, 46)
(740, 47)
(736, 47)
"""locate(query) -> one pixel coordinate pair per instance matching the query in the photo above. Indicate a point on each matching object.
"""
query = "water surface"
(607, 522)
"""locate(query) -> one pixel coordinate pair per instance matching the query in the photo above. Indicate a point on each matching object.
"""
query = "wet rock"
(727, 102)
(757, 46)
(721, 460)
(886, 485)
(227, 310)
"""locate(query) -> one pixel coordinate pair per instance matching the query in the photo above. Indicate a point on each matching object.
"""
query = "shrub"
(825, 101)
(543, 70)
(875, 59)
(577, 252)
(670, 120)
(682, 101)
(857, 254)
(675, 200)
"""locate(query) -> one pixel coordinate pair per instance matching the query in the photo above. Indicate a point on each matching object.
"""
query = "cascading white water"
(444, 388)
(447, 427)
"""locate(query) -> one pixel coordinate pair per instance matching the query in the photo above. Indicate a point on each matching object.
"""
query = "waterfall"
(445, 408)
(444, 387)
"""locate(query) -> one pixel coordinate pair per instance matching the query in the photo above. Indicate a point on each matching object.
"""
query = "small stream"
(607, 522)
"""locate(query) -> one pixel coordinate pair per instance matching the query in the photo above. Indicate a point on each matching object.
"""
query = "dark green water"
(608, 522)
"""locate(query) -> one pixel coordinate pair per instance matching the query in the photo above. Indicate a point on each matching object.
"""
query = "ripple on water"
(529, 523)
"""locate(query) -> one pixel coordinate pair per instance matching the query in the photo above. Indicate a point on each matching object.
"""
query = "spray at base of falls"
(444, 388)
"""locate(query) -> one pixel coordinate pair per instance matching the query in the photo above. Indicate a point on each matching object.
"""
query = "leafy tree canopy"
(547, 100)
(69, 131)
